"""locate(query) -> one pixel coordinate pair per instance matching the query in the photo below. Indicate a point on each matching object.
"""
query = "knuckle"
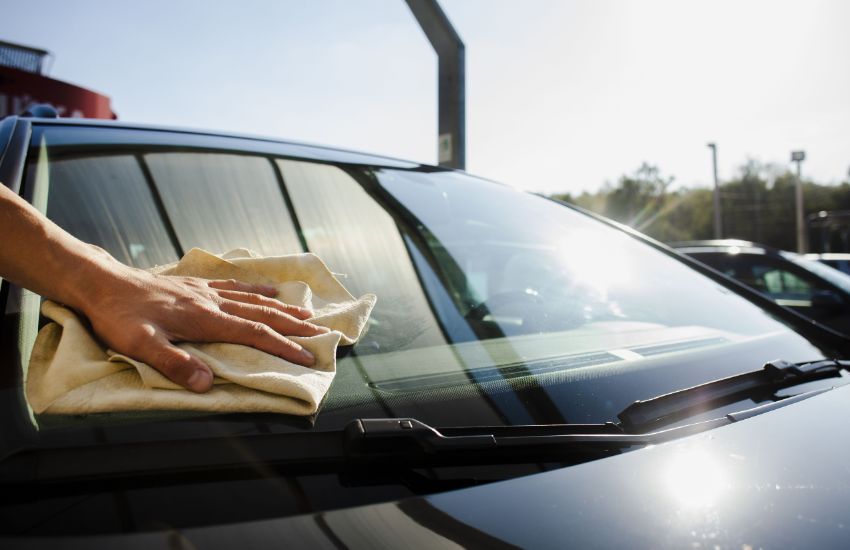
(269, 312)
(259, 330)
(169, 361)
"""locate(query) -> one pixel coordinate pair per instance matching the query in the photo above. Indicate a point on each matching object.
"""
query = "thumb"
(177, 365)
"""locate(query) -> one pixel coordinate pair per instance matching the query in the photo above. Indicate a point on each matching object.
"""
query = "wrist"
(95, 276)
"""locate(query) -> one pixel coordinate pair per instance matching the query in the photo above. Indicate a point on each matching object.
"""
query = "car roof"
(332, 154)
(734, 246)
(829, 256)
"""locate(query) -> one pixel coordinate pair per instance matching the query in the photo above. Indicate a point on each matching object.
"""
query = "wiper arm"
(640, 422)
(775, 375)
(410, 438)
(407, 439)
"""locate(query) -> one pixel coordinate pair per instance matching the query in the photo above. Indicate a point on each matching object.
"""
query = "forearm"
(37, 254)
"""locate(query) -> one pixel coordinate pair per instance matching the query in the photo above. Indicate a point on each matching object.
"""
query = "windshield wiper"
(407, 439)
(640, 423)
(409, 442)
(775, 375)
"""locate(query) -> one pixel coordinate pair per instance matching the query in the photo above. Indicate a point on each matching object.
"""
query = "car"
(835, 260)
(817, 291)
(533, 376)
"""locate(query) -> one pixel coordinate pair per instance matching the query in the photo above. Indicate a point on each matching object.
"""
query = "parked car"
(792, 280)
(835, 260)
(534, 375)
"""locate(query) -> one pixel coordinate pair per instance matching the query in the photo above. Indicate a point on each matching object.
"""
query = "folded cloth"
(70, 372)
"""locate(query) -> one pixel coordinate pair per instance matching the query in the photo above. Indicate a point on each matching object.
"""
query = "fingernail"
(200, 381)
(268, 289)
(309, 358)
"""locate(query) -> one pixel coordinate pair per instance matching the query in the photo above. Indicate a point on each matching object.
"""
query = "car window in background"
(831, 274)
(219, 202)
(777, 279)
(359, 240)
(106, 201)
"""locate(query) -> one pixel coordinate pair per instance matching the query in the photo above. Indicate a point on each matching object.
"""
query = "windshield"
(518, 264)
(495, 307)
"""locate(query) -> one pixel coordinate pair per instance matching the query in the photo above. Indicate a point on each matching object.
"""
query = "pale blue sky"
(561, 95)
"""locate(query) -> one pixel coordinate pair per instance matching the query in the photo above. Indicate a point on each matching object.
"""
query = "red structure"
(22, 84)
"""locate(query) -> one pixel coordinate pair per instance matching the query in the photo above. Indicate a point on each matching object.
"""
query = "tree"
(758, 204)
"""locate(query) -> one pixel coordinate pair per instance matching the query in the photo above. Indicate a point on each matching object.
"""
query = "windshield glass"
(495, 307)
(518, 264)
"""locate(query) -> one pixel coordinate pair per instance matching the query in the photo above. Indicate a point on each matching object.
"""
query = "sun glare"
(694, 480)
(597, 262)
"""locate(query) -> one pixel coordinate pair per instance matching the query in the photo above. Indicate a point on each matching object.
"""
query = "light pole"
(718, 218)
(451, 88)
(799, 157)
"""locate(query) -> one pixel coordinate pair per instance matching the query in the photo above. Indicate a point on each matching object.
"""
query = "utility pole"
(451, 61)
(718, 217)
(799, 157)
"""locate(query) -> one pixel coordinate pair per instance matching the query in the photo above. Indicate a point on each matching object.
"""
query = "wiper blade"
(775, 375)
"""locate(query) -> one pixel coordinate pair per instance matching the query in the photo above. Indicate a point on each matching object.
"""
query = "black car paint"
(778, 480)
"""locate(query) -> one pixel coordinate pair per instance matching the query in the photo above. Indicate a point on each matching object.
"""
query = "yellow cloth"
(70, 372)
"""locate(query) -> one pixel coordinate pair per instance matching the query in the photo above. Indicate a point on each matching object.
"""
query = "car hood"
(781, 479)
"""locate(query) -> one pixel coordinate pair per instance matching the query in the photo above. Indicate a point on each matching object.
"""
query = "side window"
(353, 234)
(777, 280)
(220, 201)
(106, 201)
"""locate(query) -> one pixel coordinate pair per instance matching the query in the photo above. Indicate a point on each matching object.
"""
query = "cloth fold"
(70, 372)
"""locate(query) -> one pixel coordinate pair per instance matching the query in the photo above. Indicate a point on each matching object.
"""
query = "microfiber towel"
(70, 372)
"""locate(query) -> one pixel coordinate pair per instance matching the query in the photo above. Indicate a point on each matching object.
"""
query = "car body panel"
(835, 260)
(713, 490)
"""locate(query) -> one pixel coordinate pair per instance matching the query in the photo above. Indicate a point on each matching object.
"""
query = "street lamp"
(718, 220)
(799, 157)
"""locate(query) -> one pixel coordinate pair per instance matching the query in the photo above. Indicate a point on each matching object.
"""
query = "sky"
(562, 95)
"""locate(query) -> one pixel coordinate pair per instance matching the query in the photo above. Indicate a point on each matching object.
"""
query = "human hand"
(141, 315)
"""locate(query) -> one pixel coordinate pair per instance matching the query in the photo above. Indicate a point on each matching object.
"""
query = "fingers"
(258, 300)
(176, 364)
(281, 322)
(232, 284)
(261, 336)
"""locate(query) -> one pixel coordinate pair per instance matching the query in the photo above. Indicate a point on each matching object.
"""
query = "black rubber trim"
(15, 152)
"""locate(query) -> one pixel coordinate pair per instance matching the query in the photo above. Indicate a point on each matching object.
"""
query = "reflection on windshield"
(516, 264)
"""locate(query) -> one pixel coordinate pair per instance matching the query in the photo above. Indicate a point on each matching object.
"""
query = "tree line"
(758, 204)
